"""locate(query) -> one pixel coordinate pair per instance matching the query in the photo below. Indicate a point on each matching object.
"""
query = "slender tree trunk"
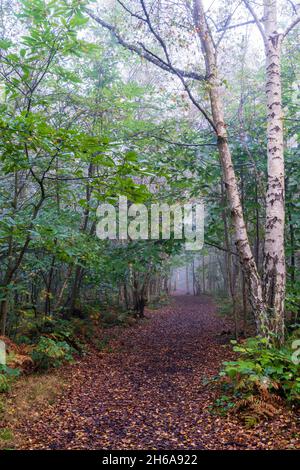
(75, 289)
(47, 308)
(257, 237)
(203, 275)
(194, 277)
(241, 237)
(187, 279)
(3, 315)
(229, 264)
(126, 296)
(244, 296)
(84, 225)
(274, 259)
(63, 288)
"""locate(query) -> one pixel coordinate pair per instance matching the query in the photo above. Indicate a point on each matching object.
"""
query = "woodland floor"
(149, 392)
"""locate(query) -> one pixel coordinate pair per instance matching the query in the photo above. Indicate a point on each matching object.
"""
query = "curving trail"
(150, 392)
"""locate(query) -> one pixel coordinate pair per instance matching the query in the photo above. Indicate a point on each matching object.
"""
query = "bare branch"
(155, 34)
(183, 144)
(293, 6)
(257, 21)
(154, 59)
(214, 245)
(226, 25)
(180, 76)
(135, 15)
(291, 26)
(224, 28)
(195, 103)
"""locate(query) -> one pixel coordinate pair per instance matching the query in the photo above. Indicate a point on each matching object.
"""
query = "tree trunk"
(229, 265)
(75, 289)
(240, 233)
(3, 316)
(274, 259)
(187, 279)
(244, 296)
(257, 237)
(203, 275)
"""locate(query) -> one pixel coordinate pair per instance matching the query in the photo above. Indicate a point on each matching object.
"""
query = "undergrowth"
(259, 381)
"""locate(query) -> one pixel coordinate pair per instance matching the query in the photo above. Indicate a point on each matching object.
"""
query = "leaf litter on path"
(150, 392)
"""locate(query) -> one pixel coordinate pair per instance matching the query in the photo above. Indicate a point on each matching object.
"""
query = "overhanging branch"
(164, 64)
(142, 52)
(257, 21)
(291, 26)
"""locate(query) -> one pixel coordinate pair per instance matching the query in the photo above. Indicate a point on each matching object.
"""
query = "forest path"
(149, 392)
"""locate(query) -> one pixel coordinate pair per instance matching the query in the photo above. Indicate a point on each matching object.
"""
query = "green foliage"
(224, 305)
(58, 132)
(7, 375)
(4, 383)
(6, 434)
(49, 353)
(292, 300)
(74, 331)
(102, 344)
(263, 370)
(111, 318)
(71, 331)
(76, 132)
(222, 405)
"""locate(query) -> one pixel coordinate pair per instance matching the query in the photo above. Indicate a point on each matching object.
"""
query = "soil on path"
(150, 392)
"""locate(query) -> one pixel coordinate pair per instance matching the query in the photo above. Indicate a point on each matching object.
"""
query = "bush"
(70, 332)
(49, 353)
(6, 377)
(109, 318)
(292, 300)
(60, 330)
(4, 383)
(101, 344)
(33, 328)
(261, 370)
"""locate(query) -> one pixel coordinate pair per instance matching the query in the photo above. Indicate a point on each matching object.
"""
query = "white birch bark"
(274, 258)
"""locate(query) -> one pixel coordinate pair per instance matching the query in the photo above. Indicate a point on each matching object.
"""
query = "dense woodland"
(161, 101)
